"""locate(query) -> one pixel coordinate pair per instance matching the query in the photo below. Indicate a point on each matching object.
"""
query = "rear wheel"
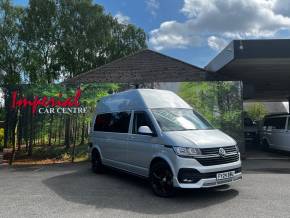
(161, 179)
(265, 145)
(97, 166)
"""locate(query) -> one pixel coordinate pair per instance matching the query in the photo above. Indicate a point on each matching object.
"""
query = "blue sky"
(196, 30)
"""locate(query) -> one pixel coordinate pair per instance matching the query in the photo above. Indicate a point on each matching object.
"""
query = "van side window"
(275, 123)
(141, 118)
(113, 122)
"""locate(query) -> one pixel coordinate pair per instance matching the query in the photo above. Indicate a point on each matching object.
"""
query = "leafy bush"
(256, 111)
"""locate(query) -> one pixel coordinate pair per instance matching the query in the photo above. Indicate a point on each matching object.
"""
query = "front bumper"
(205, 175)
(208, 182)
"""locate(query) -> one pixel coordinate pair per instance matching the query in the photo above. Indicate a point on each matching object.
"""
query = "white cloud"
(172, 34)
(152, 6)
(219, 21)
(123, 19)
(217, 43)
(282, 7)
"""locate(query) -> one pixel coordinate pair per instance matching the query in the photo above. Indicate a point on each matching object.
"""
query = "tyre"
(97, 166)
(161, 179)
(265, 144)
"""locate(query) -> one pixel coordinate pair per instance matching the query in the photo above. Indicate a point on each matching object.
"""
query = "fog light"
(187, 180)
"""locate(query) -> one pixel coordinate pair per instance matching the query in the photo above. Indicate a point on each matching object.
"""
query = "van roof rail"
(277, 114)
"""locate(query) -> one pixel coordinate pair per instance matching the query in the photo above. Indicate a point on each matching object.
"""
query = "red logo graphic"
(46, 102)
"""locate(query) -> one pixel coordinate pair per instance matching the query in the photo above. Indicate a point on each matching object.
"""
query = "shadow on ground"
(269, 170)
(122, 192)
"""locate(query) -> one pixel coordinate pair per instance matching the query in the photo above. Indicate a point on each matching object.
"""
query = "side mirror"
(145, 130)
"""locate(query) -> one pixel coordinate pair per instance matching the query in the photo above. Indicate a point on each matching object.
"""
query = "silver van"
(156, 134)
(275, 133)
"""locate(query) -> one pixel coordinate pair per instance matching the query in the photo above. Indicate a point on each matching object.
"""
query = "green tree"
(63, 38)
(256, 111)
(40, 34)
(90, 38)
(219, 102)
(126, 39)
(11, 49)
(49, 41)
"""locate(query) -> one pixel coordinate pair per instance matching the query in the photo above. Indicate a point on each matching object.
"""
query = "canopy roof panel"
(144, 66)
(263, 66)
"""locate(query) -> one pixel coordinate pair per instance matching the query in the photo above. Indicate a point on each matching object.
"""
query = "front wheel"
(161, 179)
(265, 144)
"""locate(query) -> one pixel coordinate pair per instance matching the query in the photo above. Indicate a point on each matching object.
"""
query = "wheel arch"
(96, 149)
(265, 139)
(161, 159)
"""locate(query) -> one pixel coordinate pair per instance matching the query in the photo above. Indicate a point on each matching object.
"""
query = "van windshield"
(176, 119)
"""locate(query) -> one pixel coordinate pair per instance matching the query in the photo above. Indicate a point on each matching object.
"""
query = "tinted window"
(288, 123)
(141, 119)
(113, 122)
(275, 122)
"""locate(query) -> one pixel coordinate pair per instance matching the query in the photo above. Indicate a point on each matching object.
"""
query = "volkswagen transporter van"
(275, 133)
(155, 134)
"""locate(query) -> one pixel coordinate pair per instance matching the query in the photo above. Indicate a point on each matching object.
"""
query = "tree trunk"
(74, 140)
(60, 130)
(30, 135)
(20, 130)
(25, 128)
(83, 131)
(7, 117)
(13, 139)
(50, 130)
(67, 132)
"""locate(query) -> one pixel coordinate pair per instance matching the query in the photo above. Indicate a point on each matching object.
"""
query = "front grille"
(217, 160)
(209, 151)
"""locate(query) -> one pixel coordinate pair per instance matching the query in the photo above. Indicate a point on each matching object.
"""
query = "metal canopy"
(262, 65)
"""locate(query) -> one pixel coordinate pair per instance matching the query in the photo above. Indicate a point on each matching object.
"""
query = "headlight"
(186, 151)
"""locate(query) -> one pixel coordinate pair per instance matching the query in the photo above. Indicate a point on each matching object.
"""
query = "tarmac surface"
(72, 190)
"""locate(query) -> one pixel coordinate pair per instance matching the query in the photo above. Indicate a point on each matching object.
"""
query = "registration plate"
(225, 175)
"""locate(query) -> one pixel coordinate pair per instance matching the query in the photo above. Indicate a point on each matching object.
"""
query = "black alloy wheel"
(266, 145)
(97, 166)
(161, 179)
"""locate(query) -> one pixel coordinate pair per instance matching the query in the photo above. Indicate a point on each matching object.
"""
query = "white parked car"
(157, 135)
(275, 132)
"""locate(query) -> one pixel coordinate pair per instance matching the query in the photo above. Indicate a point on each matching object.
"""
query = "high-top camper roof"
(140, 99)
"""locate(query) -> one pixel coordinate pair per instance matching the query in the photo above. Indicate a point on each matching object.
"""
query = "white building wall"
(271, 107)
